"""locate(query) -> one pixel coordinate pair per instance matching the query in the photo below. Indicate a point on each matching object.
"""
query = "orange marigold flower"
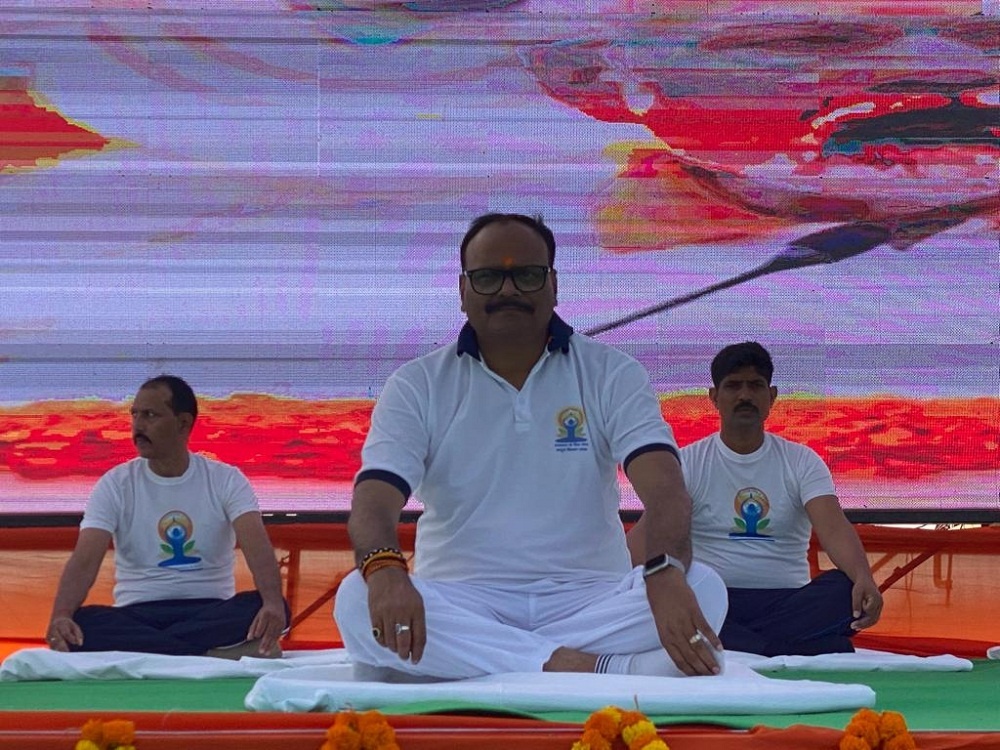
(890, 724)
(900, 742)
(594, 740)
(865, 730)
(866, 714)
(342, 737)
(853, 742)
(93, 731)
(119, 733)
(376, 734)
(606, 722)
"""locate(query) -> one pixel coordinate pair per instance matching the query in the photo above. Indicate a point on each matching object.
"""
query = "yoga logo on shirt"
(177, 531)
(751, 519)
(570, 432)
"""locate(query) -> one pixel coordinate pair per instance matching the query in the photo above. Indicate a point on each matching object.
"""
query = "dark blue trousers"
(182, 627)
(815, 619)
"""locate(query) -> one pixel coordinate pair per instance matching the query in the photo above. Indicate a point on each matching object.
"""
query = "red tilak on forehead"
(508, 262)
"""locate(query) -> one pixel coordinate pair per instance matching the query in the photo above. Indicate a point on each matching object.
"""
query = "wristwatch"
(662, 562)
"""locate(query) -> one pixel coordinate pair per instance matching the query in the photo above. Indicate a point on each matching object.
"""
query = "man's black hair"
(534, 222)
(182, 400)
(737, 356)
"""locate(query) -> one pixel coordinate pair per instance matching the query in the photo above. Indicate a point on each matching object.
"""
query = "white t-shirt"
(749, 520)
(173, 536)
(518, 487)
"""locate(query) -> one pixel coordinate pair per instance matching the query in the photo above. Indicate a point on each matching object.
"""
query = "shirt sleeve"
(398, 438)
(632, 411)
(238, 496)
(815, 479)
(103, 506)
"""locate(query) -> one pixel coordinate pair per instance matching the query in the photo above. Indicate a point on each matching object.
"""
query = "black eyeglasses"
(490, 280)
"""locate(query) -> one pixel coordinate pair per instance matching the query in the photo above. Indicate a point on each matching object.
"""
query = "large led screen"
(267, 197)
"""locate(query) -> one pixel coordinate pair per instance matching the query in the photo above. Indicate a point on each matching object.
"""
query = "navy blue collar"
(559, 333)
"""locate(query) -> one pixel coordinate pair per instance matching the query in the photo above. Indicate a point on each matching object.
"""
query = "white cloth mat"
(43, 664)
(739, 690)
(862, 660)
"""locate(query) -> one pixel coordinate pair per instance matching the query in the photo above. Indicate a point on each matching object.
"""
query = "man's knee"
(350, 605)
(710, 590)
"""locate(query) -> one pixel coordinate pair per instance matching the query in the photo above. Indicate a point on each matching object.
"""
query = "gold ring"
(695, 638)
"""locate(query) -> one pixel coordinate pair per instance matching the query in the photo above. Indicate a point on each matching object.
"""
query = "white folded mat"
(739, 690)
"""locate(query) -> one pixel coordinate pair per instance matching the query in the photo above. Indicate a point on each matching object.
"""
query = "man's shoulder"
(699, 447)
(589, 350)
(434, 360)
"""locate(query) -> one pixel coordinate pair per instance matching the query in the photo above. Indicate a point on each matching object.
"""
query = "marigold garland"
(612, 728)
(96, 734)
(364, 731)
(869, 730)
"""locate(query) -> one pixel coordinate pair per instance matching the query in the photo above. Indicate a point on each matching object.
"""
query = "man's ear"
(713, 395)
(774, 393)
(187, 421)
(461, 291)
(555, 287)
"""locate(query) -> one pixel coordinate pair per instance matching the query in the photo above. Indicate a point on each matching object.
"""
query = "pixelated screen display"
(266, 198)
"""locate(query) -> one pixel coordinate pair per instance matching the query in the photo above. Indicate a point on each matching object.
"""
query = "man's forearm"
(374, 517)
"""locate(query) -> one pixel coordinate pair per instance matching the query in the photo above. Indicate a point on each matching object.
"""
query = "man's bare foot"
(570, 660)
(247, 648)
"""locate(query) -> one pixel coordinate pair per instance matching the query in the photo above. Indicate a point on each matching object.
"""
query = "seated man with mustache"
(756, 499)
(174, 517)
(511, 437)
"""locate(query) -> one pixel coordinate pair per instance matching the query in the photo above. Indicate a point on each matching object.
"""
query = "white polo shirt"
(749, 518)
(518, 487)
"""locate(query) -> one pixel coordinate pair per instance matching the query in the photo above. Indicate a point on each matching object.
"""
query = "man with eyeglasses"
(511, 438)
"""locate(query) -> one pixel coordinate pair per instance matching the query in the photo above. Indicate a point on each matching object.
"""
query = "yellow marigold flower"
(656, 744)
(639, 728)
(644, 742)
(86, 745)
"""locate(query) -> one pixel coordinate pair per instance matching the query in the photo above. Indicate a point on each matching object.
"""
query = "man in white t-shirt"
(511, 438)
(757, 497)
(174, 517)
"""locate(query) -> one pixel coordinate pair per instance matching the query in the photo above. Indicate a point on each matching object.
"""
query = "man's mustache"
(137, 436)
(515, 304)
(747, 407)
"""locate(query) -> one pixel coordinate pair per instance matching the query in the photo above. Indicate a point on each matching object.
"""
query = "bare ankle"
(570, 660)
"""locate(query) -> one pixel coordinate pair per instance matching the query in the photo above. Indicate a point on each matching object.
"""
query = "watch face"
(655, 562)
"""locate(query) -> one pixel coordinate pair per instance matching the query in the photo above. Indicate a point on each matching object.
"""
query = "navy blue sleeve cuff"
(648, 449)
(385, 476)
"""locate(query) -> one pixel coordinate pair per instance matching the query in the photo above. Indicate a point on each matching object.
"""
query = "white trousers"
(475, 630)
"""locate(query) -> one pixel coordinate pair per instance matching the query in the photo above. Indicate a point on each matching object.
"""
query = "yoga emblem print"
(752, 507)
(177, 532)
(570, 430)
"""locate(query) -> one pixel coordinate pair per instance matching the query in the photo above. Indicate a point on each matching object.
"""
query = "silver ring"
(377, 634)
(400, 628)
(695, 638)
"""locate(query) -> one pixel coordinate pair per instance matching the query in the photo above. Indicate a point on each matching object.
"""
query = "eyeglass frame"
(508, 273)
